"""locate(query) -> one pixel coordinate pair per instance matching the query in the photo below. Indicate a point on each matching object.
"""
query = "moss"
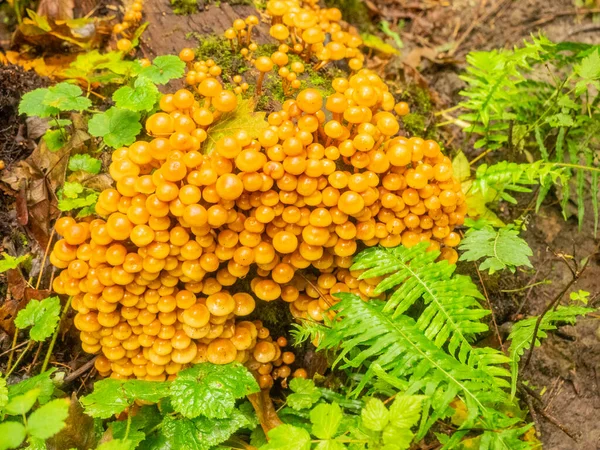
(184, 7)
(420, 120)
(354, 12)
(219, 49)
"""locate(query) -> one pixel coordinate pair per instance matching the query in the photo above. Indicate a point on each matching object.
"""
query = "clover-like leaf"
(49, 419)
(117, 126)
(66, 97)
(141, 97)
(163, 69)
(211, 390)
(85, 162)
(305, 394)
(32, 104)
(41, 316)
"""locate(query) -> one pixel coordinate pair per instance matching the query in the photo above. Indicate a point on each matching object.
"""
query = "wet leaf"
(118, 127)
(49, 419)
(141, 97)
(32, 104)
(42, 317)
(10, 262)
(66, 97)
(86, 163)
(163, 69)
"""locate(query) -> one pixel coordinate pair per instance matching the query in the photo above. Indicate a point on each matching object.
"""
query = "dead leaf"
(36, 127)
(56, 9)
(98, 182)
(413, 59)
(21, 205)
(79, 431)
(265, 410)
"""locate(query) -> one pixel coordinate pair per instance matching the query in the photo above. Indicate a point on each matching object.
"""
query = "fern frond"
(522, 334)
(365, 334)
(501, 248)
(451, 312)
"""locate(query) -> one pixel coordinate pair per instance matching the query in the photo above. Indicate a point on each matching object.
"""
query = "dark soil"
(566, 367)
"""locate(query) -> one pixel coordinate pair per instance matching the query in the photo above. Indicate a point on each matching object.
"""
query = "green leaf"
(3, 393)
(112, 396)
(405, 412)
(72, 190)
(375, 416)
(399, 438)
(326, 420)
(330, 445)
(305, 394)
(501, 249)
(288, 437)
(66, 97)
(590, 66)
(21, 404)
(42, 316)
(41, 382)
(560, 120)
(211, 390)
(86, 163)
(203, 433)
(55, 139)
(118, 444)
(36, 444)
(10, 262)
(117, 126)
(242, 117)
(376, 43)
(461, 167)
(49, 419)
(32, 104)
(163, 69)
(12, 434)
(141, 97)
(580, 296)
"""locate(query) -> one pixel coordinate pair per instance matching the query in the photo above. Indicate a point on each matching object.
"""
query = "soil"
(437, 35)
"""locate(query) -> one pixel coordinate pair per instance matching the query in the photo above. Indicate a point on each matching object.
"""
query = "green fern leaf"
(522, 334)
(501, 248)
(451, 312)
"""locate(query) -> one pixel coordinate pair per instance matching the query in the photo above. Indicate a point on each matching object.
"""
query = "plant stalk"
(55, 335)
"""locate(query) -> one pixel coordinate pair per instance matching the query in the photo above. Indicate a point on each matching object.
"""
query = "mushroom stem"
(260, 82)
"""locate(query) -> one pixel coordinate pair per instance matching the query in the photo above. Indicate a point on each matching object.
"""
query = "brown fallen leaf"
(265, 410)
(414, 57)
(79, 430)
(56, 9)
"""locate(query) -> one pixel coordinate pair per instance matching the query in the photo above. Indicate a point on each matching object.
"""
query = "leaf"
(326, 420)
(112, 396)
(560, 120)
(305, 394)
(211, 390)
(41, 382)
(21, 404)
(163, 69)
(376, 43)
(32, 104)
(117, 126)
(3, 393)
(461, 167)
(66, 97)
(501, 249)
(49, 419)
(288, 437)
(405, 412)
(399, 438)
(42, 316)
(12, 434)
(590, 66)
(330, 445)
(203, 433)
(118, 444)
(55, 139)
(10, 262)
(71, 190)
(86, 163)
(242, 117)
(375, 416)
(141, 97)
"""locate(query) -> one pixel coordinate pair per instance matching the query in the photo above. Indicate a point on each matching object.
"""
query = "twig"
(12, 349)
(76, 373)
(18, 359)
(55, 335)
(557, 424)
(529, 286)
(489, 304)
(39, 280)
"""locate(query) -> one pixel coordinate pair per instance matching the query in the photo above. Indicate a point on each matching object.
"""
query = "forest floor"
(437, 35)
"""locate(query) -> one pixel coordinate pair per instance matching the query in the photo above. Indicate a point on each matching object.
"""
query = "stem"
(454, 108)
(529, 286)
(480, 156)
(12, 348)
(261, 77)
(18, 359)
(37, 285)
(578, 166)
(55, 335)
(128, 424)
(18, 12)
(249, 35)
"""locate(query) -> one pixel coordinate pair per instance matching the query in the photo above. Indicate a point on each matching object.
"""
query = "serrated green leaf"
(305, 394)
(288, 437)
(500, 249)
(163, 69)
(560, 120)
(590, 66)
(9, 262)
(242, 117)
(326, 420)
(36, 444)
(112, 396)
(211, 390)
(118, 444)
(66, 97)
(375, 416)
(86, 163)
(21, 404)
(3, 393)
(32, 104)
(400, 438)
(41, 382)
(118, 127)
(55, 139)
(330, 444)
(203, 433)
(141, 97)
(461, 167)
(405, 412)
(12, 435)
(376, 43)
(42, 316)
(49, 419)
(72, 190)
